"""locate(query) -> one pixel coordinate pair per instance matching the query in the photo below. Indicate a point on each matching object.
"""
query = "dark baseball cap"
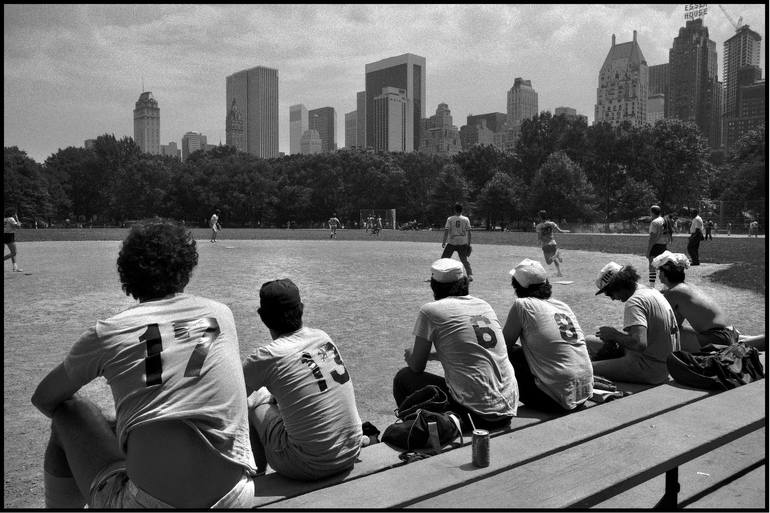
(279, 294)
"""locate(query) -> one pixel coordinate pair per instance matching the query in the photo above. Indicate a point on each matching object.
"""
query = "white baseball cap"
(447, 270)
(606, 275)
(529, 272)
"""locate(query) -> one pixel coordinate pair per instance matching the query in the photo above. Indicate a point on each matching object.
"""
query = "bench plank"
(586, 474)
(747, 492)
(446, 470)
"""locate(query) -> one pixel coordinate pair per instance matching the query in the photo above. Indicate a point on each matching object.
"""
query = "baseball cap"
(677, 259)
(529, 272)
(606, 275)
(279, 294)
(447, 270)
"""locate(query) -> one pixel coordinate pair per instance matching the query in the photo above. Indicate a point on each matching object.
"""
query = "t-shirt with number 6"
(470, 346)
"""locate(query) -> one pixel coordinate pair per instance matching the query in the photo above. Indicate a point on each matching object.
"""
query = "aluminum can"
(480, 448)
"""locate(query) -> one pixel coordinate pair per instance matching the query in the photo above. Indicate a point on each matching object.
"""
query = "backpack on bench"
(717, 367)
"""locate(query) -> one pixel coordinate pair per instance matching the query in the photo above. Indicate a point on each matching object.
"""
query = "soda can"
(480, 448)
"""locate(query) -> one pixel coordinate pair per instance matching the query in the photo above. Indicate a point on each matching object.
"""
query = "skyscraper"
(255, 91)
(147, 124)
(740, 50)
(406, 73)
(391, 119)
(522, 102)
(324, 120)
(351, 129)
(298, 123)
(623, 86)
(235, 133)
(694, 86)
(439, 136)
(361, 119)
(192, 142)
(751, 101)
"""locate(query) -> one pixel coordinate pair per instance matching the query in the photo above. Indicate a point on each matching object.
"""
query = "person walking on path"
(696, 235)
(10, 224)
(457, 231)
(661, 235)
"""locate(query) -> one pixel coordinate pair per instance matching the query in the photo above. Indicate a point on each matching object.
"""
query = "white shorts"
(112, 489)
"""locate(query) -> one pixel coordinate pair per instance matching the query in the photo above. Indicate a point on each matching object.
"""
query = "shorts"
(289, 460)
(9, 238)
(725, 336)
(656, 250)
(112, 489)
(549, 250)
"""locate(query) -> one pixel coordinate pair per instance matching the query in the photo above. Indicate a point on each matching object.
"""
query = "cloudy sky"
(74, 72)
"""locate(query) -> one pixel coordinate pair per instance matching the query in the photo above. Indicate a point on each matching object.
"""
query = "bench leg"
(669, 500)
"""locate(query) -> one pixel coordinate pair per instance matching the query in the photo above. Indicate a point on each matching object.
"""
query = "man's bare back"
(690, 303)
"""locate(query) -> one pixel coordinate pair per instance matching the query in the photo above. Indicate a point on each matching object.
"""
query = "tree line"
(595, 173)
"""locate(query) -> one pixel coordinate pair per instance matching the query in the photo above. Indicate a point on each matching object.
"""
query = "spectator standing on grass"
(214, 224)
(181, 436)
(754, 228)
(729, 228)
(548, 244)
(552, 366)
(469, 343)
(696, 235)
(708, 322)
(302, 406)
(709, 229)
(10, 224)
(661, 235)
(457, 231)
(650, 331)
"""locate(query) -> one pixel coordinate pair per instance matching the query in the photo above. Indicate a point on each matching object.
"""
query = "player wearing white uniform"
(334, 223)
(215, 226)
(182, 436)
(10, 223)
(457, 237)
(469, 342)
(303, 407)
(548, 244)
(552, 365)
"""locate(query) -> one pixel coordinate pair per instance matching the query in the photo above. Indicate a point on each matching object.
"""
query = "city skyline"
(74, 72)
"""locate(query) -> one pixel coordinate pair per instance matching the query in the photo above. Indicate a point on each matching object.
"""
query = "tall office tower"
(438, 135)
(752, 105)
(351, 129)
(623, 86)
(477, 133)
(147, 124)
(255, 91)
(694, 78)
(522, 102)
(310, 142)
(361, 118)
(740, 50)
(235, 132)
(659, 79)
(656, 104)
(192, 142)
(407, 73)
(324, 120)
(298, 123)
(391, 118)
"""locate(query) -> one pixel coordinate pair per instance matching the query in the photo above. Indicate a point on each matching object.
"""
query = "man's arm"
(53, 390)
(512, 328)
(446, 234)
(633, 338)
(417, 357)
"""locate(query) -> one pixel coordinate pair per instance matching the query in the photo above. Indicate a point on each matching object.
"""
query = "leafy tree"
(24, 187)
(561, 184)
(500, 199)
(450, 188)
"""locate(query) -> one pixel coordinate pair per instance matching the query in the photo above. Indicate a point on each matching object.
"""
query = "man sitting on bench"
(708, 322)
(302, 407)
(650, 331)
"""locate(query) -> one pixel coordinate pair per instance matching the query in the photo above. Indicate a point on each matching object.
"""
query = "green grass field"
(362, 290)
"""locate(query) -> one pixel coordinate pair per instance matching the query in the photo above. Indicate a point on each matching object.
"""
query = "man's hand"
(407, 355)
(608, 333)
(260, 397)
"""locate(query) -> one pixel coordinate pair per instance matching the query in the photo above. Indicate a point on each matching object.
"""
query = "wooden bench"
(578, 460)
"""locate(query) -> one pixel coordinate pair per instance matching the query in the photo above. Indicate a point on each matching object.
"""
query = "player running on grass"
(545, 237)
(10, 223)
(334, 223)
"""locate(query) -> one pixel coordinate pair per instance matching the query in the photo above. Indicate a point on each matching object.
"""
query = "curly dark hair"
(625, 279)
(537, 290)
(156, 259)
(455, 288)
(280, 320)
(672, 273)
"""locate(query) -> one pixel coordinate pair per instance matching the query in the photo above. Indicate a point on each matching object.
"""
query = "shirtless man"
(707, 319)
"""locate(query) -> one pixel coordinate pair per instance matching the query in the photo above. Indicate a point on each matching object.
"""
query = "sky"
(72, 72)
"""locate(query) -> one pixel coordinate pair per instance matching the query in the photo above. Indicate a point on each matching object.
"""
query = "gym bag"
(717, 367)
(429, 397)
(412, 432)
